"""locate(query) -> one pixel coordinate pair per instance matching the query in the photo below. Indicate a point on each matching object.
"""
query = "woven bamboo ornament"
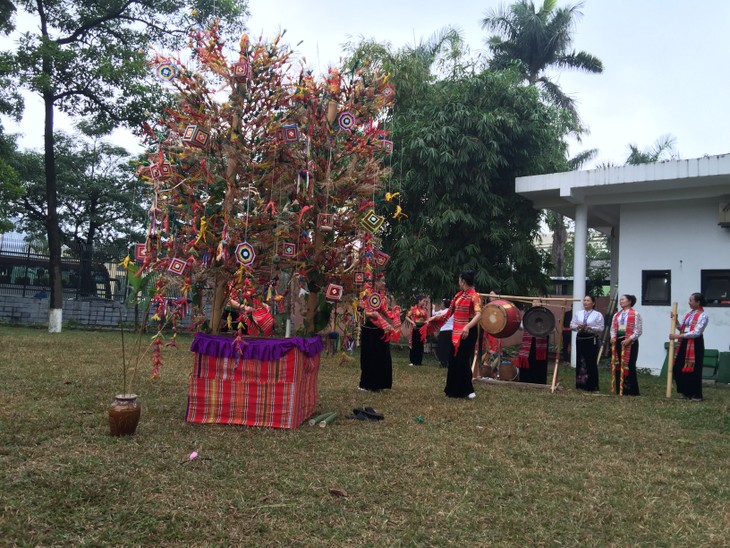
(140, 252)
(166, 72)
(381, 259)
(195, 136)
(245, 254)
(372, 222)
(346, 120)
(290, 133)
(333, 292)
(177, 266)
(241, 71)
(359, 277)
(289, 250)
(325, 221)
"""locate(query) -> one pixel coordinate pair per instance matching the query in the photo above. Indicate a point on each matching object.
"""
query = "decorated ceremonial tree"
(259, 170)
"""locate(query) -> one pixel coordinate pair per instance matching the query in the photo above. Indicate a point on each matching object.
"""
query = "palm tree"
(663, 149)
(537, 40)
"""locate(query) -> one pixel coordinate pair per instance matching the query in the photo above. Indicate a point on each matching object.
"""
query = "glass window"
(656, 287)
(715, 286)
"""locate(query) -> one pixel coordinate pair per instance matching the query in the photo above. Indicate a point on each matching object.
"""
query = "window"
(656, 287)
(715, 286)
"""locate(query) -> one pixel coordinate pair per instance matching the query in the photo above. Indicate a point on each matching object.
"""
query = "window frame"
(646, 276)
(717, 273)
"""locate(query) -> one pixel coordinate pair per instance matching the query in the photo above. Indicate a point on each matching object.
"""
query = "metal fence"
(24, 272)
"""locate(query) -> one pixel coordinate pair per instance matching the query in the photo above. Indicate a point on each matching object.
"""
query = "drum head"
(538, 321)
(494, 318)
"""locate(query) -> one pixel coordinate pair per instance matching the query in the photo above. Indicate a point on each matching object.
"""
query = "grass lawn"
(514, 467)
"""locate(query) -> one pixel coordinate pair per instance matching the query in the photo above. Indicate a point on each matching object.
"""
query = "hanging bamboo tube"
(670, 355)
(558, 346)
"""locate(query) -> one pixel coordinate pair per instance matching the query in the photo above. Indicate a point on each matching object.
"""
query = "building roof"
(604, 190)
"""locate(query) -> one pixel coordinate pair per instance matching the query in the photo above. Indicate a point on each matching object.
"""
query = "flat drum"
(500, 318)
(538, 321)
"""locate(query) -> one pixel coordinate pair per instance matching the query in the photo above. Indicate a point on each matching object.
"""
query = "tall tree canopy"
(459, 143)
(537, 40)
(101, 201)
(88, 59)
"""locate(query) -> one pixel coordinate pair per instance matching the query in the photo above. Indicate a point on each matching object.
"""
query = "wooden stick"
(670, 356)
(606, 335)
(560, 341)
(526, 297)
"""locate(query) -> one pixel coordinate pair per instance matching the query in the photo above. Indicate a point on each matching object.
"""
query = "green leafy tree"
(459, 143)
(100, 205)
(88, 59)
(10, 186)
(536, 40)
(598, 261)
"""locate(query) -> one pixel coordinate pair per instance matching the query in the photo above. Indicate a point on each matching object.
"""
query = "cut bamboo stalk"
(554, 384)
(327, 420)
(670, 356)
(319, 418)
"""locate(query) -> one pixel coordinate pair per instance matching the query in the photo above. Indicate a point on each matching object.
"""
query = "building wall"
(682, 237)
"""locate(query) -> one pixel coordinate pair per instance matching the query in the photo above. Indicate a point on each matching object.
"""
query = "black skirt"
(690, 384)
(376, 365)
(458, 377)
(586, 363)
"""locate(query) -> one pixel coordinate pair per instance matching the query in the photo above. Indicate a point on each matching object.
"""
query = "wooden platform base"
(492, 382)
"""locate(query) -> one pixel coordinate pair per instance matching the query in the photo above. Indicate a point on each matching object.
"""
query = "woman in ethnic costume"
(466, 308)
(532, 359)
(690, 354)
(417, 316)
(376, 364)
(589, 325)
(626, 329)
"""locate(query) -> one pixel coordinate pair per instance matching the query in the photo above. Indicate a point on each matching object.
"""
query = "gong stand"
(528, 299)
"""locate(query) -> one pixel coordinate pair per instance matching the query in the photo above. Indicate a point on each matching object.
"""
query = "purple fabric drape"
(254, 349)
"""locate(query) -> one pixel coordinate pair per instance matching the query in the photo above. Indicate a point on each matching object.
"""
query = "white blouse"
(592, 319)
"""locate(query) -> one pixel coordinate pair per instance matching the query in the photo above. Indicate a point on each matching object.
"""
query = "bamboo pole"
(558, 347)
(606, 335)
(526, 298)
(670, 356)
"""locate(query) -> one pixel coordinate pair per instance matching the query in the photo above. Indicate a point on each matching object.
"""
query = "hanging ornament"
(166, 72)
(241, 71)
(359, 278)
(372, 222)
(346, 120)
(325, 221)
(381, 259)
(375, 301)
(195, 136)
(290, 133)
(333, 292)
(161, 171)
(177, 266)
(245, 254)
(388, 146)
(140, 252)
(289, 250)
(388, 92)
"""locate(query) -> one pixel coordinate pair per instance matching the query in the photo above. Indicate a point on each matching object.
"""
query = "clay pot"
(124, 415)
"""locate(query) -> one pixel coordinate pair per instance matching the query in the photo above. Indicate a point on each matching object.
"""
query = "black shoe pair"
(366, 414)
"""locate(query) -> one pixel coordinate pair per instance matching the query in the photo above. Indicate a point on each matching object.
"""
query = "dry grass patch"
(513, 467)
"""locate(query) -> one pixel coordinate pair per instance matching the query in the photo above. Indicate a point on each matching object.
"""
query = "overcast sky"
(666, 62)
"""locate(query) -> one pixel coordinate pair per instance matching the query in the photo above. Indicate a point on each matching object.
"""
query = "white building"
(670, 234)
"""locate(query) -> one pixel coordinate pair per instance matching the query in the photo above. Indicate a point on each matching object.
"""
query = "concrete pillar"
(579, 264)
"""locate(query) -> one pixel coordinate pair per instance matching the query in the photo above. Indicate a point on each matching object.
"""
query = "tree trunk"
(219, 301)
(55, 310)
(557, 251)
